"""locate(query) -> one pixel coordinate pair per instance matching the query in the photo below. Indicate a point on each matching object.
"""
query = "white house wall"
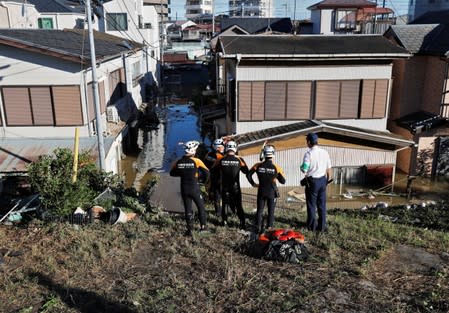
(130, 7)
(17, 15)
(326, 22)
(67, 20)
(294, 73)
(290, 161)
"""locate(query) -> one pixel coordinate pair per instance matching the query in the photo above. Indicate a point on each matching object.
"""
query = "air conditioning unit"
(112, 114)
(147, 25)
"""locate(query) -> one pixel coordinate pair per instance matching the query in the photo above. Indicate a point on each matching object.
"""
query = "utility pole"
(95, 88)
(213, 18)
(294, 12)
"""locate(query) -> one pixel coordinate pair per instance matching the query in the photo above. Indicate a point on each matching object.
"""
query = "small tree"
(51, 176)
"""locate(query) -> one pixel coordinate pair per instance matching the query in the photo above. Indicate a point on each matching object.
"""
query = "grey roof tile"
(422, 38)
(67, 42)
(304, 127)
(292, 45)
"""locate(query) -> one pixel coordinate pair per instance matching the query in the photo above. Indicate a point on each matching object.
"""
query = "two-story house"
(281, 87)
(46, 92)
(350, 16)
(420, 102)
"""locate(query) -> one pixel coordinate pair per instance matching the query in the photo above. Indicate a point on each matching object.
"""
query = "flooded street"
(159, 149)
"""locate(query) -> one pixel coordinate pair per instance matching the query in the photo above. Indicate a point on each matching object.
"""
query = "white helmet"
(231, 146)
(191, 146)
(217, 142)
(268, 151)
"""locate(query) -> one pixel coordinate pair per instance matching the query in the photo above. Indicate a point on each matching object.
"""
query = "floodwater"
(159, 149)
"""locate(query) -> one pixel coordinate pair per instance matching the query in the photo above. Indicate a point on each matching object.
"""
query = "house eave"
(324, 127)
(293, 57)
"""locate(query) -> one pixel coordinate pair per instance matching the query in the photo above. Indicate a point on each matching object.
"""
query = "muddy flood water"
(160, 147)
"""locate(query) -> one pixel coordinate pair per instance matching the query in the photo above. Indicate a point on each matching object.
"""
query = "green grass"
(149, 266)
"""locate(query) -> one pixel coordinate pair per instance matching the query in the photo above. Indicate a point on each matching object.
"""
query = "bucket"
(117, 216)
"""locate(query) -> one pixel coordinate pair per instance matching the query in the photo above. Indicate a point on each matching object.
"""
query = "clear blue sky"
(283, 7)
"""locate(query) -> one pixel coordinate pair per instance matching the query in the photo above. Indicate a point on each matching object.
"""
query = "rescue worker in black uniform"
(230, 166)
(211, 160)
(192, 171)
(267, 192)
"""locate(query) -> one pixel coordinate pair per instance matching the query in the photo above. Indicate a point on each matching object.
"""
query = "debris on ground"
(281, 245)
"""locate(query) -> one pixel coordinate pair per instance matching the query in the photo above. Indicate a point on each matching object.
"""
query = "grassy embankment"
(364, 264)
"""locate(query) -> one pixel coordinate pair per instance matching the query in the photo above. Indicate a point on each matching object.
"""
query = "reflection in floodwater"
(160, 147)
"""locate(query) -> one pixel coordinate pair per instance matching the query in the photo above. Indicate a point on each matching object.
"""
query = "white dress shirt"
(316, 162)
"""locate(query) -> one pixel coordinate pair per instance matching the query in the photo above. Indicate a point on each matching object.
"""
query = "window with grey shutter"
(374, 98)
(42, 106)
(349, 99)
(275, 95)
(67, 104)
(298, 100)
(257, 101)
(380, 98)
(244, 101)
(368, 89)
(327, 99)
(17, 106)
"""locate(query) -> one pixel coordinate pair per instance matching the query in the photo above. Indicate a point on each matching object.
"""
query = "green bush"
(51, 176)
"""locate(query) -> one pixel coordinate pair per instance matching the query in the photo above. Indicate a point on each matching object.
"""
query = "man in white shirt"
(317, 168)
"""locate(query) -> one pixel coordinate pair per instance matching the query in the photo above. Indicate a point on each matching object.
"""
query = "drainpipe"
(413, 146)
(444, 112)
(9, 16)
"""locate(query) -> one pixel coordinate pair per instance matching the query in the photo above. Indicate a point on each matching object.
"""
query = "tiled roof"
(304, 127)
(70, 44)
(423, 38)
(49, 6)
(311, 45)
(330, 4)
(254, 25)
(433, 17)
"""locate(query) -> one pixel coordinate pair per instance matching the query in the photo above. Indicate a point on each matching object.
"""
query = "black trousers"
(271, 204)
(191, 193)
(215, 191)
(232, 197)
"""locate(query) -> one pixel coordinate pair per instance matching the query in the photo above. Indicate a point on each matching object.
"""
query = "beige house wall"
(417, 85)
(433, 84)
(404, 161)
